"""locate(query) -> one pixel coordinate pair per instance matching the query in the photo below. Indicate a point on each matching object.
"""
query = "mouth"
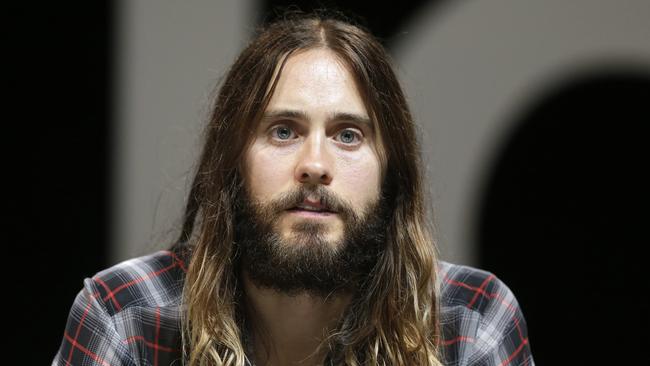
(311, 214)
(311, 210)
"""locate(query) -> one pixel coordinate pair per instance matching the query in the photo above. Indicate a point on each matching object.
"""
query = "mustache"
(328, 199)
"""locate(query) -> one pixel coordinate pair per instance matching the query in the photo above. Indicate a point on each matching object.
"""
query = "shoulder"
(152, 280)
(480, 318)
(127, 314)
(474, 288)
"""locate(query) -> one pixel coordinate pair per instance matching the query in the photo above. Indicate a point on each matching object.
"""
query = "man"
(305, 240)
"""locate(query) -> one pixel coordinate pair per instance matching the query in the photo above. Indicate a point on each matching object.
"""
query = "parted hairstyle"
(394, 317)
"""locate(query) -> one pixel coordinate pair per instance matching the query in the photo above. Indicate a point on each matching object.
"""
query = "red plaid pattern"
(129, 314)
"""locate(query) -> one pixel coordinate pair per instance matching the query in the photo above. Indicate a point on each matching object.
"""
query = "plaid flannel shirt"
(129, 314)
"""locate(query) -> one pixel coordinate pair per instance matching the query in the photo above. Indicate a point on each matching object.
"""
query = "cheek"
(360, 174)
(267, 172)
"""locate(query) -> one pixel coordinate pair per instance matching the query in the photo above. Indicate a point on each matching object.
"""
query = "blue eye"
(282, 132)
(348, 136)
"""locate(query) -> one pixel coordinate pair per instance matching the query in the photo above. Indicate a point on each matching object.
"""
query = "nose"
(313, 165)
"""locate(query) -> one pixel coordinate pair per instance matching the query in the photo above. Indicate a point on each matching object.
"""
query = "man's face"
(310, 137)
(313, 176)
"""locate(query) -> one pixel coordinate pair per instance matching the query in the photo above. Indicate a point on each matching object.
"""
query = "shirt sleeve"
(502, 337)
(90, 336)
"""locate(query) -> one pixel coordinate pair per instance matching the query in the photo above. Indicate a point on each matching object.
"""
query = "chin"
(297, 238)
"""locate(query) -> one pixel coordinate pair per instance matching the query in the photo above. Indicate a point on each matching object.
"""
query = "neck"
(287, 330)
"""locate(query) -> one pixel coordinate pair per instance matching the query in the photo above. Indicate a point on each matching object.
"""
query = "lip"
(311, 214)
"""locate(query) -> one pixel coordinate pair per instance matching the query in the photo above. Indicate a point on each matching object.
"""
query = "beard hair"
(306, 262)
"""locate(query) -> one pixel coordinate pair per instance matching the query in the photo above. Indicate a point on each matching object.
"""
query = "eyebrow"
(334, 116)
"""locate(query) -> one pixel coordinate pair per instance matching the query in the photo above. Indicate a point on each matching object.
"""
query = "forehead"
(318, 82)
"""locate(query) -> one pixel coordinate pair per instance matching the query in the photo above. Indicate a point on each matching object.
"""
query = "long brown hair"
(395, 319)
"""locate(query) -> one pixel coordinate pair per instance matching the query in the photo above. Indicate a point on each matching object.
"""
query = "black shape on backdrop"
(563, 221)
(57, 137)
(385, 21)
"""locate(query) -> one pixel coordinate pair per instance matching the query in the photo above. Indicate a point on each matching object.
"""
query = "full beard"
(307, 262)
